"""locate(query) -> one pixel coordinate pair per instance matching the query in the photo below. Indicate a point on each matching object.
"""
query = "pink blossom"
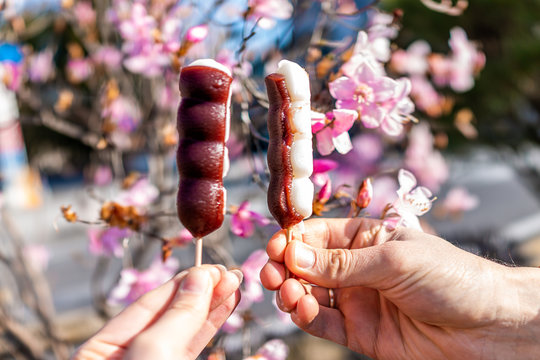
(466, 60)
(84, 13)
(414, 60)
(184, 237)
(37, 255)
(366, 51)
(381, 24)
(11, 74)
(426, 97)
(107, 242)
(242, 69)
(381, 101)
(243, 220)
(384, 189)
(412, 201)
(197, 33)
(425, 162)
(124, 113)
(458, 69)
(134, 283)
(459, 200)
(325, 193)
(41, 66)
(269, 10)
(331, 130)
(140, 195)
(234, 322)
(103, 175)
(321, 167)
(275, 349)
(108, 56)
(365, 194)
(252, 290)
(79, 70)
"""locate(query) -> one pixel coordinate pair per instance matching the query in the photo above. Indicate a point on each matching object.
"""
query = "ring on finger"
(332, 298)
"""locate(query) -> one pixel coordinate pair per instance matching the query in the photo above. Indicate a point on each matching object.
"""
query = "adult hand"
(174, 321)
(404, 294)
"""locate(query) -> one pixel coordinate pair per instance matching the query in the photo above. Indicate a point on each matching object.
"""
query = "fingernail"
(238, 274)
(196, 282)
(304, 257)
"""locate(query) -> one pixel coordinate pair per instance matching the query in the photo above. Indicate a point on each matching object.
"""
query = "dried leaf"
(68, 214)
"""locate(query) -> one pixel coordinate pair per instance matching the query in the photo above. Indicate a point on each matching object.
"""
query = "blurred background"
(87, 120)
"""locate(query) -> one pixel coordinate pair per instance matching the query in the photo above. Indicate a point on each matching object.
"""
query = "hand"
(403, 294)
(174, 321)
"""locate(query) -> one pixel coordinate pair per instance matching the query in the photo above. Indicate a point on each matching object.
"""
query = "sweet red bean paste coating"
(202, 122)
(279, 148)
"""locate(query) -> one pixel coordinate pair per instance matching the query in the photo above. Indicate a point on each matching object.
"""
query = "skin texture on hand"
(174, 321)
(403, 294)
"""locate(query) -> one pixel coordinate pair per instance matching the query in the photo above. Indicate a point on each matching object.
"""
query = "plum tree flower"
(134, 283)
(266, 11)
(331, 130)
(423, 160)
(275, 349)
(107, 242)
(414, 60)
(243, 220)
(197, 33)
(41, 67)
(457, 70)
(108, 56)
(381, 101)
(412, 201)
(365, 51)
(459, 200)
(141, 194)
(79, 70)
(252, 290)
(321, 167)
(84, 13)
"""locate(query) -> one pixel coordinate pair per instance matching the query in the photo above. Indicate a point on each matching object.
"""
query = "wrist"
(518, 317)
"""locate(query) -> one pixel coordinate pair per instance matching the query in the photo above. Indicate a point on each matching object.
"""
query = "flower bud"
(365, 194)
(197, 33)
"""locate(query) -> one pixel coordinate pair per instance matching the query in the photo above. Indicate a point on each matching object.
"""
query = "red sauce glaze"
(201, 125)
(279, 149)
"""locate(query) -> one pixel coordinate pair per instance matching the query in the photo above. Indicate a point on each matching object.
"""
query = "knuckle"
(339, 260)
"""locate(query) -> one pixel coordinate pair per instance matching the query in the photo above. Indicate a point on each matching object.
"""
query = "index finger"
(329, 234)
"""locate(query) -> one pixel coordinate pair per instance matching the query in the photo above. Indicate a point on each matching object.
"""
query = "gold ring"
(332, 299)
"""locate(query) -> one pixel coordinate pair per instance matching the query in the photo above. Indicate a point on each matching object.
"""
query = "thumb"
(337, 268)
(170, 336)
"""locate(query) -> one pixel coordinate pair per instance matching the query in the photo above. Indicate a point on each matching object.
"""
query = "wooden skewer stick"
(198, 251)
(288, 233)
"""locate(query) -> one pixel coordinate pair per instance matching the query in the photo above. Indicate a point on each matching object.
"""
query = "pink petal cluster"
(412, 201)
(108, 56)
(414, 60)
(275, 349)
(11, 74)
(243, 220)
(140, 195)
(381, 101)
(331, 130)
(321, 168)
(459, 200)
(123, 112)
(41, 66)
(84, 13)
(197, 33)
(134, 283)
(252, 291)
(79, 70)
(267, 11)
(107, 242)
(147, 42)
(423, 160)
(459, 68)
